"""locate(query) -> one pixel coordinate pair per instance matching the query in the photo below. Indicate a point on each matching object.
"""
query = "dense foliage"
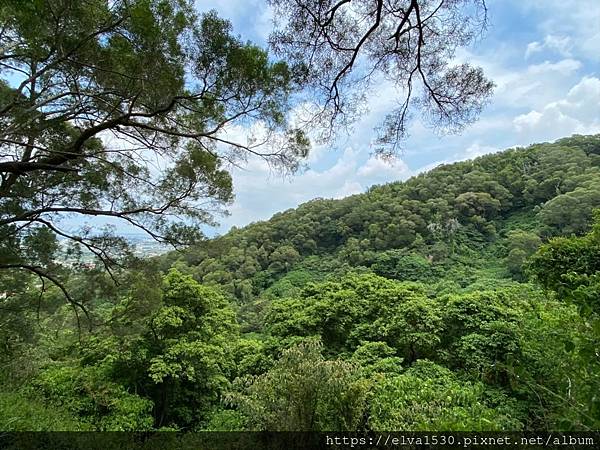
(120, 109)
(465, 298)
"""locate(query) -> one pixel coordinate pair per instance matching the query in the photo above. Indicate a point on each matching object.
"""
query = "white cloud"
(379, 169)
(576, 113)
(559, 44)
(475, 150)
(577, 19)
(534, 85)
(432, 166)
(564, 67)
(529, 86)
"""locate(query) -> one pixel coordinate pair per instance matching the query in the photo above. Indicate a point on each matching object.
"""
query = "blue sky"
(543, 55)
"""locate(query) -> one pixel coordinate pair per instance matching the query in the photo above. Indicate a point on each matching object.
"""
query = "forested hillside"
(465, 298)
(456, 225)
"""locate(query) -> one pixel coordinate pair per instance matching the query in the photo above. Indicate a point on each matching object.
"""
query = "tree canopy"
(126, 109)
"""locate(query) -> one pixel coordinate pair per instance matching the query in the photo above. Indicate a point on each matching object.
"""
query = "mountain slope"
(459, 223)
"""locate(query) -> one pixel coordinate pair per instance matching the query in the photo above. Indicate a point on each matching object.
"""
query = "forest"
(465, 298)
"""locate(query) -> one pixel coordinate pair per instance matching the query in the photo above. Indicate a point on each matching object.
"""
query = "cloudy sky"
(543, 55)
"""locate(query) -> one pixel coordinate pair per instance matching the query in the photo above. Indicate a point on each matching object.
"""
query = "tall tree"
(127, 109)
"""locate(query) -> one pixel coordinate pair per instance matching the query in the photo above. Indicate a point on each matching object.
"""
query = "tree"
(570, 268)
(283, 258)
(399, 265)
(302, 392)
(187, 352)
(571, 212)
(430, 397)
(345, 47)
(130, 109)
(120, 109)
(358, 309)
(481, 204)
(521, 245)
(481, 333)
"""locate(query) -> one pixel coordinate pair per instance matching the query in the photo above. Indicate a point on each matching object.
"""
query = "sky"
(543, 55)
